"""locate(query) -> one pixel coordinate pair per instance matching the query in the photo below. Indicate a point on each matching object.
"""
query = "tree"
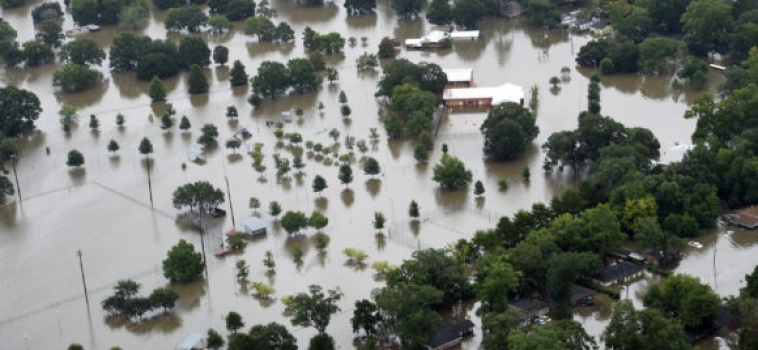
(183, 264)
(439, 13)
(190, 18)
(319, 184)
(371, 167)
(274, 208)
(50, 33)
(214, 340)
(163, 298)
(302, 75)
(705, 25)
(199, 194)
(284, 33)
(329, 44)
(268, 260)
(387, 48)
(37, 53)
(262, 27)
(407, 311)
(47, 11)
(555, 81)
(94, 123)
(126, 51)
(219, 24)
(321, 341)
(82, 51)
(407, 9)
(318, 220)
(379, 220)
(345, 175)
(420, 153)
(74, 77)
(272, 79)
(644, 329)
(184, 124)
(271, 336)
(332, 74)
(367, 61)
(233, 322)
(233, 144)
(75, 347)
(157, 91)
(113, 146)
(208, 134)
(145, 147)
(478, 188)
(359, 7)
(315, 308)
(198, 83)
(564, 269)
(564, 334)
(220, 54)
(238, 10)
(657, 53)
(467, 13)
(238, 76)
(75, 158)
(451, 172)
(694, 70)
(366, 316)
(507, 131)
(685, 296)
(345, 111)
(294, 221)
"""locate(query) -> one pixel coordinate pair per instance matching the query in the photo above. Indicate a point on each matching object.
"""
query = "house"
(512, 10)
(254, 226)
(745, 218)
(459, 77)
(601, 29)
(627, 254)
(659, 259)
(435, 39)
(531, 308)
(619, 272)
(483, 96)
(450, 334)
(193, 341)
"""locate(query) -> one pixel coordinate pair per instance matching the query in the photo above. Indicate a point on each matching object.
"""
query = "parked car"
(541, 320)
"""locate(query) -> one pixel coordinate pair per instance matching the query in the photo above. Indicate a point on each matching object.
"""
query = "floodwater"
(104, 210)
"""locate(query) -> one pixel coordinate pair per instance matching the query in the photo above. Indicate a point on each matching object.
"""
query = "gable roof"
(747, 217)
(528, 305)
(449, 332)
(458, 74)
(617, 271)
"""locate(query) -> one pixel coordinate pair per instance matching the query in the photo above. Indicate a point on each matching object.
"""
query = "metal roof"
(458, 74)
(498, 94)
(190, 342)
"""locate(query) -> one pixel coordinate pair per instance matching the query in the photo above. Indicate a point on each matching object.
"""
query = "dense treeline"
(162, 58)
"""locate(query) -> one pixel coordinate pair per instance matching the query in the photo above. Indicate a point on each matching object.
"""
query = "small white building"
(435, 39)
(465, 35)
(459, 77)
(254, 226)
(193, 341)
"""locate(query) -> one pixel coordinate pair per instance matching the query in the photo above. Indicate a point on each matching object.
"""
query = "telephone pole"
(84, 282)
(14, 157)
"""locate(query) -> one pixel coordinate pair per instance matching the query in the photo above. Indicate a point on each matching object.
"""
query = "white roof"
(190, 342)
(468, 34)
(499, 94)
(254, 224)
(434, 36)
(458, 74)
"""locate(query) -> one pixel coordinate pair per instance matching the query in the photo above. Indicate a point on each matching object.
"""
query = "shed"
(254, 226)
(617, 273)
(450, 334)
(465, 35)
(435, 38)
(531, 308)
(193, 341)
(459, 77)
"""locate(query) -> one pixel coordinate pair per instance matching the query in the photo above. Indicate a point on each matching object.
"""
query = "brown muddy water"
(103, 209)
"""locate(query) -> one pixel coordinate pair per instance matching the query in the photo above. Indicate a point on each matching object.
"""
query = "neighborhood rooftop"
(499, 94)
(450, 333)
(458, 74)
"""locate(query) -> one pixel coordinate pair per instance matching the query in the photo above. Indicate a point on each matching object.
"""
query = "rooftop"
(499, 94)
(254, 224)
(458, 74)
(747, 217)
(190, 342)
(449, 332)
(529, 305)
(617, 271)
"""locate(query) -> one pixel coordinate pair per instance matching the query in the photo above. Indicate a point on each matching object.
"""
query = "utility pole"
(84, 282)
(231, 206)
(202, 247)
(149, 183)
(15, 174)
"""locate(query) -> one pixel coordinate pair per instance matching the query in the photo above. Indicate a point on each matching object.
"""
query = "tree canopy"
(507, 131)
(200, 195)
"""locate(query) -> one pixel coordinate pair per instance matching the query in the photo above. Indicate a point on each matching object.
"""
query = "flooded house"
(619, 272)
(483, 96)
(450, 335)
(459, 78)
(746, 218)
(531, 307)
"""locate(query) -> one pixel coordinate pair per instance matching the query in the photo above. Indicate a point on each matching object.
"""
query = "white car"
(541, 320)
(695, 244)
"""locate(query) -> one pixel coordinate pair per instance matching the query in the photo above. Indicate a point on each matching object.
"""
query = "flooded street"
(104, 209)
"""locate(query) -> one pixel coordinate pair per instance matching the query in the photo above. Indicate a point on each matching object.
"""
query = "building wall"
(475, 102)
